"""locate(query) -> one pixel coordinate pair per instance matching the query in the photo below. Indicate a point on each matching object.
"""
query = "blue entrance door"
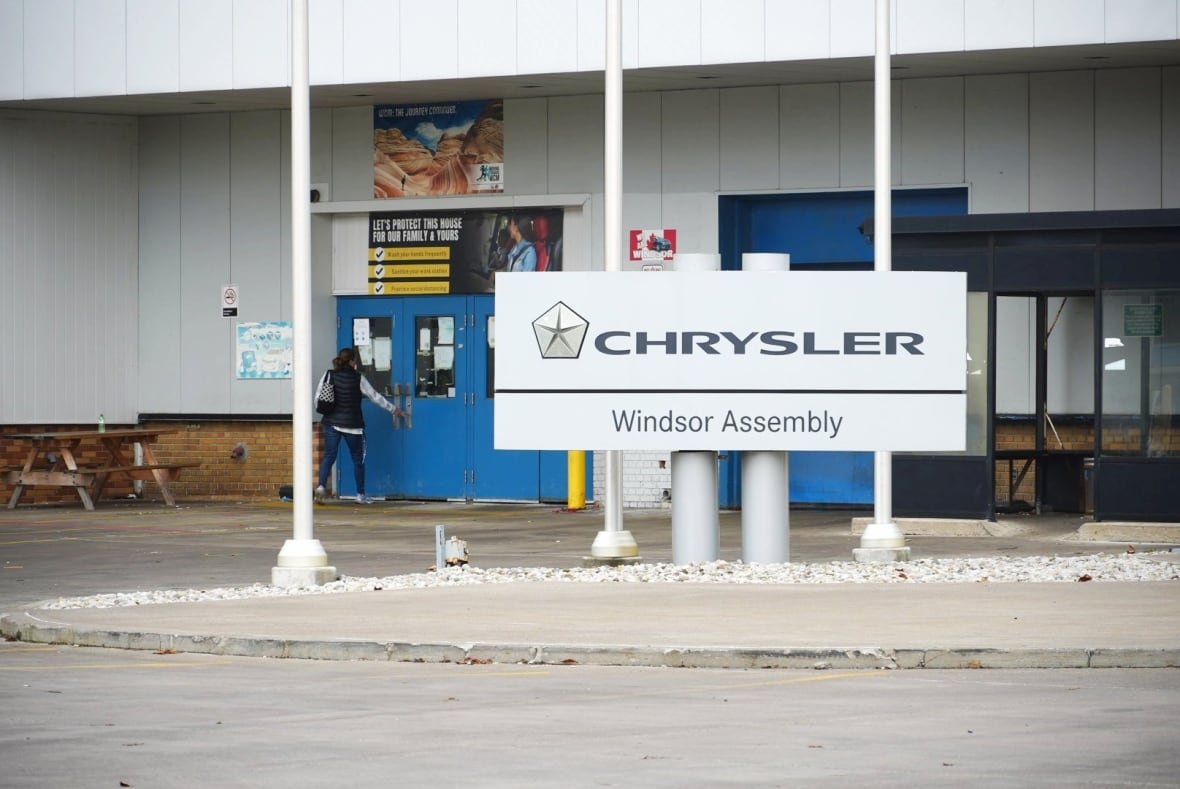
(435, 357)
(818, 231)
(407, 350)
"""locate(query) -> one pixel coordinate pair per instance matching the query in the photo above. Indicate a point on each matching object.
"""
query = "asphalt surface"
(49, 552)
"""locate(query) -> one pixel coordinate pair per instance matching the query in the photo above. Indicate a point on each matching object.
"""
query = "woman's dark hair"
(344, 359)
(524, 224)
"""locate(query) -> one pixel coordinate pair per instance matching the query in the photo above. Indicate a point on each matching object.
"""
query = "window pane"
(1140, 372)
(435, 358)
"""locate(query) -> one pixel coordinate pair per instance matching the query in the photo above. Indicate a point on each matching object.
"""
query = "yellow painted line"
(513, 674)
(101, 666)
(816, 678)
(33, 542)
(24, 647)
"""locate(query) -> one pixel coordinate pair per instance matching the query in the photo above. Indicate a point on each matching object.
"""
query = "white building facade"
(144, 166)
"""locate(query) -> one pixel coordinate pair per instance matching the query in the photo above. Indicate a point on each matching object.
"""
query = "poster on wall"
(427, 150)
(265, 350)
(436, 252)
(657, 245)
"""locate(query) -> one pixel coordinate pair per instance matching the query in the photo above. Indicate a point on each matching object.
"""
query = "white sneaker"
(320, 494)
(363, 499)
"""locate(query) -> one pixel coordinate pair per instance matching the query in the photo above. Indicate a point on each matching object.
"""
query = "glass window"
(1140, 372)
(977, 370)
(435, 355)
(373, 338)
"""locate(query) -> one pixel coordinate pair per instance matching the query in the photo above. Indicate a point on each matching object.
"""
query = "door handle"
(407, 409)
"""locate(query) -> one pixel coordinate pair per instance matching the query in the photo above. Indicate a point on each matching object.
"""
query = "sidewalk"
(980, 625)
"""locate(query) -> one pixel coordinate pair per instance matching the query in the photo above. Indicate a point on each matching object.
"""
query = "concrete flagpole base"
(881, 554)
(882, 542)
(302, 563)
(614, 547)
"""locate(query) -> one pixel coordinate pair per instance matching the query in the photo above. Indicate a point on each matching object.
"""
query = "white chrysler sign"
(731, 360)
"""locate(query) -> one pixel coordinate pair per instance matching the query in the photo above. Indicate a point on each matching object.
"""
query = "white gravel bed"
(1034, 569)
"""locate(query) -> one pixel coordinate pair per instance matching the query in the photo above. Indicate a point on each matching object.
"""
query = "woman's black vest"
(347, 412)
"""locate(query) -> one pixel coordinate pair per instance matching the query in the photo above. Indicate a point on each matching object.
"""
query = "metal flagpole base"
(881, 554)
(614, 547)
(302, 563)
(882, 542)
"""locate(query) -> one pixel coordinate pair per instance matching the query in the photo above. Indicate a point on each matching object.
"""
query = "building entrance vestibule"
(1084, 310)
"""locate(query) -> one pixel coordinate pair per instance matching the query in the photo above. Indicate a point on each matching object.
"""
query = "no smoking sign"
(229, 301)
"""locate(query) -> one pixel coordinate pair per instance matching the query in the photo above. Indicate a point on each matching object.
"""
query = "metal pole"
(302, 560)
(766, 498)
(614, 541)
(575, 473)
(696, 519)
(882, 539)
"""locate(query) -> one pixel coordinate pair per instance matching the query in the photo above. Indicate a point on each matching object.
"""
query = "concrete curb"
(24, 626)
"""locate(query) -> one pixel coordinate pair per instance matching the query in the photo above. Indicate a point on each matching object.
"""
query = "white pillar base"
(614, 545)
(882, 542)
(291, 577)
(881, 554)
(302, 563)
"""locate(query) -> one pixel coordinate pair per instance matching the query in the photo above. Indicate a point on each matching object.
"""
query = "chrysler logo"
(560, 332)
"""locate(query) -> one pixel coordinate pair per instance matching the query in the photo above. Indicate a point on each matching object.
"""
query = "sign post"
(766, 492)
(696, 517)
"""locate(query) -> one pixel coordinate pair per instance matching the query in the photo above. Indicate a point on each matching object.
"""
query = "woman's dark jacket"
(347, 412)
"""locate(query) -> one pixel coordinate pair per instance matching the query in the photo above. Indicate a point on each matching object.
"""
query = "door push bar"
(407, 415)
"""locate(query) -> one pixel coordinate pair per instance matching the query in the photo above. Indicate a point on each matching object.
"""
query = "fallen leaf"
(1131, 549)
(569, 661)
(1085, 578)
(164, 652)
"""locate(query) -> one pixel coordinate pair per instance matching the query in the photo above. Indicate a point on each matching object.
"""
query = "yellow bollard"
(576, 479)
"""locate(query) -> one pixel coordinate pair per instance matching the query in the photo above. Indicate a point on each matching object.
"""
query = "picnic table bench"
(51, 460)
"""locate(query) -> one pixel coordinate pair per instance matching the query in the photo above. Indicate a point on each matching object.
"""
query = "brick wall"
(1017, 435)
(266, 465)
(647, 479)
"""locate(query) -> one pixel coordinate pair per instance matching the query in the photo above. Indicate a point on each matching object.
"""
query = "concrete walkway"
(980, 625)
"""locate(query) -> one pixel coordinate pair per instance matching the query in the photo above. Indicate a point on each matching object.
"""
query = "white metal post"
(882, 539)
(614, 542)
(696, 518)
(302, 560)
(766, 498)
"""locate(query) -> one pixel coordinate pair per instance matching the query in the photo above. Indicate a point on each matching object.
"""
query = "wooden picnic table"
(62, 469)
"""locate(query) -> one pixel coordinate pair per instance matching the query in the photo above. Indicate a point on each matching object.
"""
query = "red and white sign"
(653, 244)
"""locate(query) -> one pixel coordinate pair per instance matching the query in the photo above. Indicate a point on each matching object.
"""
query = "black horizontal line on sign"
(409, 279)
(740, 391)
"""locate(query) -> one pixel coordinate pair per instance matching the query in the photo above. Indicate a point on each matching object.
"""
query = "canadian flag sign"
(653, 244)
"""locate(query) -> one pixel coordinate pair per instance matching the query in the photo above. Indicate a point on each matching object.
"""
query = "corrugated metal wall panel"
(67, 266)
(206, 338)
